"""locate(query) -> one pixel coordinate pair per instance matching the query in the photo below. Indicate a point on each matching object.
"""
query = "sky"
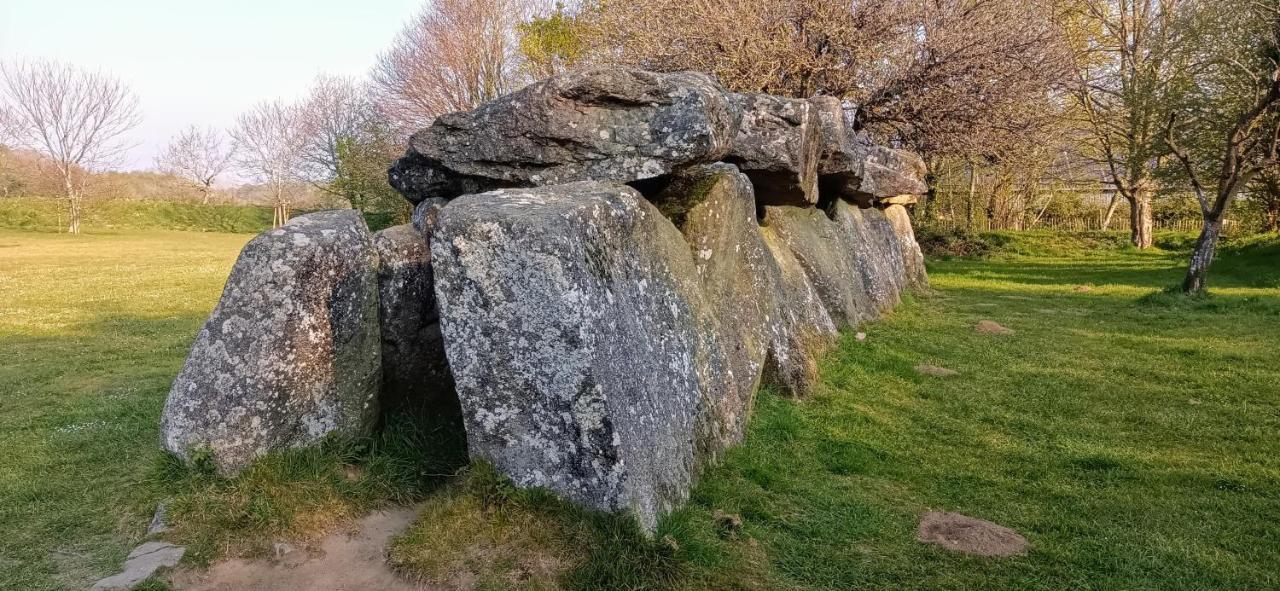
(203, 62)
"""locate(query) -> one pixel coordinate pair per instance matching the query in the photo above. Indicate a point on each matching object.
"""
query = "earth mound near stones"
(602, 270)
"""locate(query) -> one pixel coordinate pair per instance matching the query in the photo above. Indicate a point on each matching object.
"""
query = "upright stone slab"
(581, 346)
(912, 256)
(291, 353)
(605, 124)
(777, 147)
(802, 329)
(415, 372)
(874, 254)
(824, 249)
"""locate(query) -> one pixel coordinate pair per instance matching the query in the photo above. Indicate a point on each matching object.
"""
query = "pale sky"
(203, 62)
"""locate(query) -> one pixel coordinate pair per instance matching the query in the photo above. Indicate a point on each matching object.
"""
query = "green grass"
(114, 216)
(1129, 433)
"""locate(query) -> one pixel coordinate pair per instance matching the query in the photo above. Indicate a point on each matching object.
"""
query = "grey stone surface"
(875, 256)
(574, 323)
(912, 256)
(144, 561)
(714, 208)
(777, 147)
(823, 249)
(853, 168)
(415, 372)
(291, 353)
(803, 331)
(605, 124)
(426, 211)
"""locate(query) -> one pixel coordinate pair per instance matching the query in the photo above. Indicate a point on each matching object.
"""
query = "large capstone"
(580, 343)
(609, 124)
(291, 353)
(855, 169)
(777, 147)
(415, 372)
(912, 256)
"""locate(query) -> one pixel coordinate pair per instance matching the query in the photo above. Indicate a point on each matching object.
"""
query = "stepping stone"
(969, 535)
(989, 327)
(935, 371)
(143, 562)
(862, 336)
(159, 521)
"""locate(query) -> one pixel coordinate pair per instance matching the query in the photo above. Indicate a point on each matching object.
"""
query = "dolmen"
(602, 270)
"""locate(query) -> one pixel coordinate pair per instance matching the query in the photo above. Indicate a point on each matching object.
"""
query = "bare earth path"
(346, 562)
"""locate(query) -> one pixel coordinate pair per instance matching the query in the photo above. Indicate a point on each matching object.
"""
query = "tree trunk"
(73, 213)
(973, 186)
(931, 193)
(1273, 216)
(1111, 210)
(1140, 232)
(1202, 256)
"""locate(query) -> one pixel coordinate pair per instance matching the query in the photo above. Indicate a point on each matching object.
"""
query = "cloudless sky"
(203, 62)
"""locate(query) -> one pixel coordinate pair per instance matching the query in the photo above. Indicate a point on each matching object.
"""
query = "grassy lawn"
(1129, 434)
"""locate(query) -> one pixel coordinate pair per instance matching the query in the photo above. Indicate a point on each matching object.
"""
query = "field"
(1130, 434)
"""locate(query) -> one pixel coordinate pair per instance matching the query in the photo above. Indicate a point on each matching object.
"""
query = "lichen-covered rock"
(581, 347)
(825, 251)
(415, 372)
(714, 208)
(802, 329)
(777, 147)
(606, 124)
(853, 168)
(912, 256)
(291, 353)
(877, 259)
(425, 213)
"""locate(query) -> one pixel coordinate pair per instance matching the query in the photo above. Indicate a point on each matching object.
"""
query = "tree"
(1266, 196)
(335, 111)
(1131, 62)
(948, 78)
(454, 55)
(197, 156)
(1231, 131)
(269, 142)
(76, 118)
(551, 43)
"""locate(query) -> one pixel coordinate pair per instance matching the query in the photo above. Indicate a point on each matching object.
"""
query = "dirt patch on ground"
(935, 371)
(344, 561)
(970, 535)
(991, 327)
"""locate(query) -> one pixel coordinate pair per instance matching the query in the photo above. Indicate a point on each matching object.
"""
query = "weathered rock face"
(912, 256)
(415, 372)
(824, 250)
(802, 330)
(575, 327)
(291, 354)
(777, 147)
(875, 255)
(602, 124)
(714, 208)
(856, 170)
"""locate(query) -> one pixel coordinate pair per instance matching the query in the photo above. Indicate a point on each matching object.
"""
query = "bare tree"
(76, 118)
(1233, 129)
(958, 78)
(1130, 61)
(197, 156)
(269, 142)
(454, 55)
(336, 110)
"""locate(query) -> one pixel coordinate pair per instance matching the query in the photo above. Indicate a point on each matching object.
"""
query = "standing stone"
(291, 353)
(605, 124)
(777, 147)
(874, 253)
(823, 249)
(913, 257)
(415, 372)
(581, 346)
(802, 331)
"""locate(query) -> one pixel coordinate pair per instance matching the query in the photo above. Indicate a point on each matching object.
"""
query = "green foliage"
(362, 178)
(50, 215)
(551, 43)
